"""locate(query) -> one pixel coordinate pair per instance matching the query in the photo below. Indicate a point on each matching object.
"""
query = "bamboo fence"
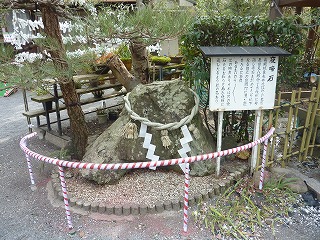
(298, 137)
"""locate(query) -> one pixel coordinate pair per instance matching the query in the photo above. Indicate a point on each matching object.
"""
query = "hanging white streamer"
(185, 145)
(147, 144)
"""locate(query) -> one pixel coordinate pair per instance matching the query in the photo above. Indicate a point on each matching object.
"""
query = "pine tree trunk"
(140, 62)
(78, 125)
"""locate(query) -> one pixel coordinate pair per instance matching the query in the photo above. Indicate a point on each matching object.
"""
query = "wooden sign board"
(242, 78)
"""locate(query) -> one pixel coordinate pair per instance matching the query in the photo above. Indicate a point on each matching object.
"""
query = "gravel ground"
(139, 187)
(27, 214)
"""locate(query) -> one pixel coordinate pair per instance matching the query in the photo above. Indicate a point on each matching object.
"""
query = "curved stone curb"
(125, 210)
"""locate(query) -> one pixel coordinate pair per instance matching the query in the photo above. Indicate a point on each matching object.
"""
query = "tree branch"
(55, 5)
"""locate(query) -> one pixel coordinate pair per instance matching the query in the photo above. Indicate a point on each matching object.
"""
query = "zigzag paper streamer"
(147, 144)
(185, 145)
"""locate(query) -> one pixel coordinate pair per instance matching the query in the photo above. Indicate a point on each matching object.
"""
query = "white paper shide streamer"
(185, 145)
(147, 144)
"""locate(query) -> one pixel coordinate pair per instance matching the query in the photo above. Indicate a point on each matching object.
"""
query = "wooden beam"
(275, 10)
(299, 3)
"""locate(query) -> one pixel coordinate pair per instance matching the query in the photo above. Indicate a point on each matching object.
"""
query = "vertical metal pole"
(186, 198)
(56, 101)
(26, 108)
(47, 116)
(265, 147)
(65, 196)
(160, 73)
(255, 137)
(219, 140)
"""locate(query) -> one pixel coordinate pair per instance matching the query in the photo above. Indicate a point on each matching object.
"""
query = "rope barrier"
(106, 166)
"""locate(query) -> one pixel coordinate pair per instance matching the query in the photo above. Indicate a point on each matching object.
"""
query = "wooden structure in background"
(276, 9)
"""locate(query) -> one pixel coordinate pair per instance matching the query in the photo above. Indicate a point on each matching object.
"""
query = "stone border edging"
(125, 210)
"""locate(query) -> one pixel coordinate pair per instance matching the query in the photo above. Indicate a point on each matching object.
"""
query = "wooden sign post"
(242, 78)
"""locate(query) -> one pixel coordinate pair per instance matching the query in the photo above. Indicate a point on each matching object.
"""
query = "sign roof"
(243, 51)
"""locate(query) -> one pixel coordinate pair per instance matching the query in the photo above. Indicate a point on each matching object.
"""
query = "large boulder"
(294, 182)
(161, 102)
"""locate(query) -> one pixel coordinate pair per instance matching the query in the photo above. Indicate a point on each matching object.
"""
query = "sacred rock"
(161, 103)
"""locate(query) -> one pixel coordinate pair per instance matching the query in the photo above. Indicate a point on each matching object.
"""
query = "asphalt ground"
(27, 214)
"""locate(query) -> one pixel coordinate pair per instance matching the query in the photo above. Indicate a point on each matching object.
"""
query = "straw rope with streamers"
(161, 126)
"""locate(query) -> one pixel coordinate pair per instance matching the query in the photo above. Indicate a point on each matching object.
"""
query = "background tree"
(50, 12)
(233, 7)
(140, 28)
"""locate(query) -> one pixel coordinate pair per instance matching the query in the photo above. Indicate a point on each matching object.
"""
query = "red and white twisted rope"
(136, 165)
(65, 196)
(187, 160)
(265, 147)
(186, 198)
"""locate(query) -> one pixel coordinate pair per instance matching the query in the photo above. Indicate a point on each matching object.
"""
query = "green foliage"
(161, 60)
(123, 51)
(243, 31)
(240, 211)
(30, 75)
(144, 25)
(63, 153)
(233, 7)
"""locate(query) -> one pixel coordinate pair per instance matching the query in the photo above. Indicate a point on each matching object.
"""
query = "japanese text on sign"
(243, 83)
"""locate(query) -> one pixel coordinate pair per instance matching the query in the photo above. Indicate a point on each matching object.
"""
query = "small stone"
(230, 180)
(134, 210)
(205, 197)
(237, 175)
(82, 234)
(102, 208)
(72, 231)
(227, 183)
(143, 209)
(198, 198)
(94, 207)
(159, 207)
(168, 205)
(72, 201)
(222, 186)
(110, 210)
(79, 203)
(57, 186)
(60, 196)
(126, 210)
(33, 188)
(117, 210)
(216, 188)
(211, 193)
(55, 177)
(269, 221)
(191, 202)
(176, 206)
(86, 206)
(305, 211)
(68, 174)
(152, 209)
